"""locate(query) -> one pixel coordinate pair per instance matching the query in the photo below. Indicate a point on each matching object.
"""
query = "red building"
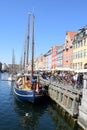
(54, 57)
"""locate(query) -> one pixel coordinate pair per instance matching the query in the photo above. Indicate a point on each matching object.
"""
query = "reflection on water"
(11, 83)
(4, 76)
(0, 75)
(30, 113)
(16, 115)
(60, 122)
(40, 117)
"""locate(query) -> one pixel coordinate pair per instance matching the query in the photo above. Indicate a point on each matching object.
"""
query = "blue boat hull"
(24, 95)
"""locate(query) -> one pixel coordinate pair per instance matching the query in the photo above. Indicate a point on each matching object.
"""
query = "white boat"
(11, 78)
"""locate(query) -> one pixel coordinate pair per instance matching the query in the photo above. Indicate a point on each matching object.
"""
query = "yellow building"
(80, 49)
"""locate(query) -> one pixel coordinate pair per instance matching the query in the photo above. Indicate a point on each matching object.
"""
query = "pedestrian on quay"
(80, 80)
(75, 77)
(67, 79)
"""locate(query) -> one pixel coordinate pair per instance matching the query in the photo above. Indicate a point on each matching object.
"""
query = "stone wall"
(82, 118)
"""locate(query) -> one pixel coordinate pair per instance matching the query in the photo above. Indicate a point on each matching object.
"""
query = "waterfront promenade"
(70, 97)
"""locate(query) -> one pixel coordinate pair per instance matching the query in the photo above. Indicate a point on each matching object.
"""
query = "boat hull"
(24, 95)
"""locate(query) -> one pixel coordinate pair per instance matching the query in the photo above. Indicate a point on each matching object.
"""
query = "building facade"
(71, 55)
(48, 57)
(60, 56)
(80, 49)
(54, 57)
(68, 50)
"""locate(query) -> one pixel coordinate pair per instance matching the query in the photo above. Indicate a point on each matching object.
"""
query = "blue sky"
(53, 18)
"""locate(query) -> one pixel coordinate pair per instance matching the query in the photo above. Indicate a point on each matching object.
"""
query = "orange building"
(68, 50)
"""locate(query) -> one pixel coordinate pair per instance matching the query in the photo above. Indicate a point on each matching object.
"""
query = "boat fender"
(37, 87)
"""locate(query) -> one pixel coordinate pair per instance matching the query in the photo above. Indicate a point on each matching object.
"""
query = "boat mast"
(32, 64)
(28, 37)
(24, 55)
(13, 61)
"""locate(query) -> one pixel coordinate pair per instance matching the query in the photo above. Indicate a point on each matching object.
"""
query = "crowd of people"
(67, 78)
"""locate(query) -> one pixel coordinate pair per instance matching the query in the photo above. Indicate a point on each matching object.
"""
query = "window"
(84, 41)
(84, 53)
(85, 31)
(76, 45)
(75, 65)
(81, 53)
(76, 55)
(80, 65)
(81, 43)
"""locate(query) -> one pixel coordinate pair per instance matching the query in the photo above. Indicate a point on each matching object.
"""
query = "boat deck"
(24, 88)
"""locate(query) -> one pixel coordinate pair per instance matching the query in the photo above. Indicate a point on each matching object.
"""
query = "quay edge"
(73, 105)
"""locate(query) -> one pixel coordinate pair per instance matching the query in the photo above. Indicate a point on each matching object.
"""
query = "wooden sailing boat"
(27, 86)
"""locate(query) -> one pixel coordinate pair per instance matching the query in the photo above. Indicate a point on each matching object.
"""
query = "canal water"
(16, 115)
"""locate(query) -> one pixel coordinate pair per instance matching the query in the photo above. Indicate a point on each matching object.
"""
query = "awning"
(64, 69)
(81, 71)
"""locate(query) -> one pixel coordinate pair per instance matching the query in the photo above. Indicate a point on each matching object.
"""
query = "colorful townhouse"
(40, 63)
(48, 57)
(68, 50)
(80, 49)
(71, 55)
(60, 57)
(54, 57)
